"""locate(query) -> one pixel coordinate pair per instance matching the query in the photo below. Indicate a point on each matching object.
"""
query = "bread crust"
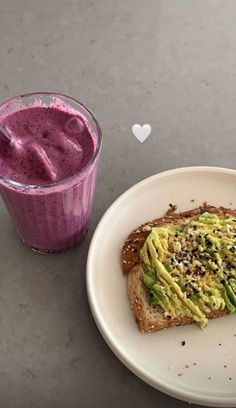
(151, 318)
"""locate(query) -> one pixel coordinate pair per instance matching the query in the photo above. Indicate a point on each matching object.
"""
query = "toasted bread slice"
(151, 318)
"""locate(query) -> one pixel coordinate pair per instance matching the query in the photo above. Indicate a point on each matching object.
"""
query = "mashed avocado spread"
(190, 269)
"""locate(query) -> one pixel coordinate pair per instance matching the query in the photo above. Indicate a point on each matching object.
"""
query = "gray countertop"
(169, 63)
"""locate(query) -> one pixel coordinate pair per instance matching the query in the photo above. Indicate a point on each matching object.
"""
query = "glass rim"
(17, 184)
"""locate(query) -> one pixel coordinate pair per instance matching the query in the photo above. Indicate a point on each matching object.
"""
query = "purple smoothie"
(48, 172)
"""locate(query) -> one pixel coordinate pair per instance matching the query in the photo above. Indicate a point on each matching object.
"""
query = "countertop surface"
(169, 63)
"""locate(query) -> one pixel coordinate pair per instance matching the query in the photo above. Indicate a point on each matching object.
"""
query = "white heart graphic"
(141, 132)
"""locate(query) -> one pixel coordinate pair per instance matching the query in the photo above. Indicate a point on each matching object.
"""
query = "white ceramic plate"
(202, 371)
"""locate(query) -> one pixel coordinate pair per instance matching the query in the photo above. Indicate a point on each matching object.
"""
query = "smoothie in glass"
(48, 171)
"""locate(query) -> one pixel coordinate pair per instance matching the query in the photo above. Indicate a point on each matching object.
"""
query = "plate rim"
(101, 324)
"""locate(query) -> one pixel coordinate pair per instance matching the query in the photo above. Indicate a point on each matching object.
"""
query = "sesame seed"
(146, 228)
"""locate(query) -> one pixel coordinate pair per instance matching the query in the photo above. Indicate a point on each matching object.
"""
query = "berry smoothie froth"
(50, 145)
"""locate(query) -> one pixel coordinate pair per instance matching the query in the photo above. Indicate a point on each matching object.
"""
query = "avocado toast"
(181, 268)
